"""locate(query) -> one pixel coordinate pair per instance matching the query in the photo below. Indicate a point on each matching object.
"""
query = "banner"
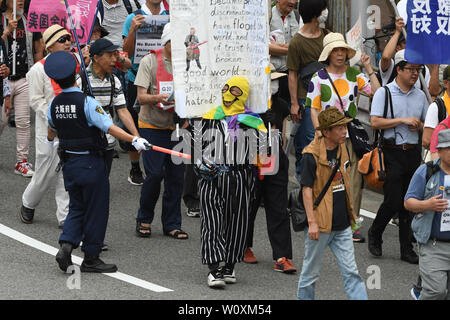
(148, 36)
(355, 40)
(428, 36)
(213, 41)
(44, 13)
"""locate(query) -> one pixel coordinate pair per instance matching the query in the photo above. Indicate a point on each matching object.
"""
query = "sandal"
(176, 234)
(140, 228)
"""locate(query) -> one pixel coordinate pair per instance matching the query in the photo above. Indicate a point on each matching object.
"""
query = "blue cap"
(60, 65)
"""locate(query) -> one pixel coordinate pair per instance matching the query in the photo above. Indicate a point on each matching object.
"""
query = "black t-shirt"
(340, 215)
(21, 55)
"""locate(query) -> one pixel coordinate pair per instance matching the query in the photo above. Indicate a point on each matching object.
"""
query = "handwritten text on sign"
(230, 38)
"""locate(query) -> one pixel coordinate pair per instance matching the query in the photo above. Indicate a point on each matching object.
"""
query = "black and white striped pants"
(225, 205)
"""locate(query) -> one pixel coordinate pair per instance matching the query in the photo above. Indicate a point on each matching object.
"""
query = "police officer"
(80, 124)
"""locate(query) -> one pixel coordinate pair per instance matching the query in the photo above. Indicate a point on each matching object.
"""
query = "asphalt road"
(174, 266)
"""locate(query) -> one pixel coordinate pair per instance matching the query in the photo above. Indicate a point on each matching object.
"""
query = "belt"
(403, 147)
(99, 153)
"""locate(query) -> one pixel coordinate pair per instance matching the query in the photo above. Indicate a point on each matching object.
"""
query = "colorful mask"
(235, 95)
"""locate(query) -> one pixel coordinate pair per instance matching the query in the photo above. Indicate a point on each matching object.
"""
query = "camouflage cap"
(331, 117)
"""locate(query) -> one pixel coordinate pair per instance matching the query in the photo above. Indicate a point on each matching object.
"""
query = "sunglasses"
(235, 91)
(63, 39)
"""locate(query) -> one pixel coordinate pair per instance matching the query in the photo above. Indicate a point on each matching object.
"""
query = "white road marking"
(77, 260)
(370, 215)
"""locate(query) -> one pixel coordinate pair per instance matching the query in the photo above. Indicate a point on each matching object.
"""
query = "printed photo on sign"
(148, 36)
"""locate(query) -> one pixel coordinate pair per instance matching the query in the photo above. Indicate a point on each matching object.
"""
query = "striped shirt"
(102, 90)
(102, 93)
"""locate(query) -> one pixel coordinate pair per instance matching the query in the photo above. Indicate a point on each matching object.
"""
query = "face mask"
(234, 95)
(323, 17)
(274, 86)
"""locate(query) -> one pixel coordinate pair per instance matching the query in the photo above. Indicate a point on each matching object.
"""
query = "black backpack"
(431, 170)
(442, 111)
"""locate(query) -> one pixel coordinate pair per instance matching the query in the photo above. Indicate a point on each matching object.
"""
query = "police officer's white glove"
(51, 144)
(140, 143)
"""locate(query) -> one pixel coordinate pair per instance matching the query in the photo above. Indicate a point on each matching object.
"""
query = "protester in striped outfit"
(227, 179)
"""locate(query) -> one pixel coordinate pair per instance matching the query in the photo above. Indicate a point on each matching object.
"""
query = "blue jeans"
(159, 166)
(341, 244)
(304, 136)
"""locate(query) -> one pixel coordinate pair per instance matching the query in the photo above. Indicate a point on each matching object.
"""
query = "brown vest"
(324, 212)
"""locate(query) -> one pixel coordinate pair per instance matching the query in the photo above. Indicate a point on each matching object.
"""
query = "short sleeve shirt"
(146, 78)
(131, 75)
(322, 96)
(411, 104)
(303, 51)
(340, 215)
(432, 118)
(416, 190)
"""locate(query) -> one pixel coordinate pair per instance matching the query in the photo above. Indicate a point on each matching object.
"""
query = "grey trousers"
(434, 266)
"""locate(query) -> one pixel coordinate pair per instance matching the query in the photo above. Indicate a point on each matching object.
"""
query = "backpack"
(126, 3)
(85, 89)
(431, 170)
(442, 111)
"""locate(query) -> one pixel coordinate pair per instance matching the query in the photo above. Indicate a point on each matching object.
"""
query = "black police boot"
(94, 264)
(374, 244)
(408, 255)
(26, 215)
(64, 256)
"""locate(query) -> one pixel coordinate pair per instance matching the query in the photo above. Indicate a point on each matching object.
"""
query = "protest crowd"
(90, 100)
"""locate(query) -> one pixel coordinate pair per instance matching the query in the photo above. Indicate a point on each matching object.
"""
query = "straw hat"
(52, 34)
(332, 41)
(274, 74)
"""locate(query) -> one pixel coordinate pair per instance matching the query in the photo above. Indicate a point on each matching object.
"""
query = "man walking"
(427, 197)
(406, 110)
(326, 196)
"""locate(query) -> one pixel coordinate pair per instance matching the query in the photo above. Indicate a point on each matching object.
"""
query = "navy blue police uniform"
(80, 123)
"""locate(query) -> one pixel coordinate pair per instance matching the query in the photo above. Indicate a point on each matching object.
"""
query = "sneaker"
(193, 212)
(414, 293)
(284, 265)
(215, 279)
(24, 168)
(249, 257)
(136, 177)
(357, 237)
(229, 276)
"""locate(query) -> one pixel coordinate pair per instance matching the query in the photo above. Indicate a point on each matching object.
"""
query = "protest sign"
(148, 36)
(428, 34)
(355, 40)
(213, 41)
(44, 13)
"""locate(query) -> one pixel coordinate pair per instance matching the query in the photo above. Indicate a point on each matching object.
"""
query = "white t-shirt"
(431, 120)
(386, 75)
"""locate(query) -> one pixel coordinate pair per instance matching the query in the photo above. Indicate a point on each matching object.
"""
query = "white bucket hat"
(166, 34)
(332, 41)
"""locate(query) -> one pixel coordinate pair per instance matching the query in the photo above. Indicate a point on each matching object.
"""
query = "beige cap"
(332, 41)
(52, 34)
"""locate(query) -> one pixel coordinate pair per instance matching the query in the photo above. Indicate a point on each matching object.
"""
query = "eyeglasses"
(63, 39)
(235, 91)
(412, 70)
